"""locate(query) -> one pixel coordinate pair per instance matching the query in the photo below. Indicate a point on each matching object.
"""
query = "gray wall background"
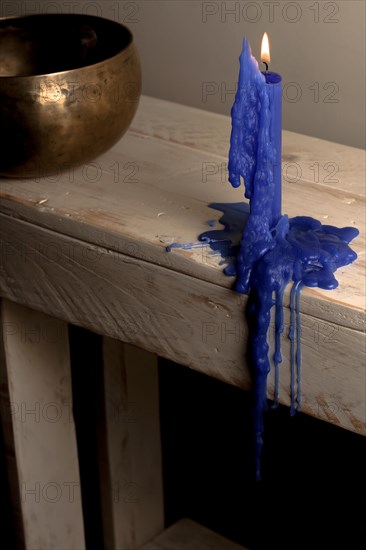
(189, 51)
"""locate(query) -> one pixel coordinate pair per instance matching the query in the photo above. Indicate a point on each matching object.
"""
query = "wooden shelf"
(188, 535)
(89, 247)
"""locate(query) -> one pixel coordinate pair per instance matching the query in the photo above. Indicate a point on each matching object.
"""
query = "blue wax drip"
(273, 250)
(292, 350)
(298, 344)
(222, 241)
(226, 241)
(301, 250)
(234, 218)
(279, 328)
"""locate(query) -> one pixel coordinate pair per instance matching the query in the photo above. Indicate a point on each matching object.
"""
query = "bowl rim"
(123, 51)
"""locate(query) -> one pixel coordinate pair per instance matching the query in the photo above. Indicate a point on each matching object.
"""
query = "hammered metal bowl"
(69, 89)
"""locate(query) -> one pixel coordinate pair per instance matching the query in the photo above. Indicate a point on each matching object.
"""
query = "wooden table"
(88, 247)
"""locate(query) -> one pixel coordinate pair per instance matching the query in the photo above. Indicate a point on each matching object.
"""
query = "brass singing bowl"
(69, 89)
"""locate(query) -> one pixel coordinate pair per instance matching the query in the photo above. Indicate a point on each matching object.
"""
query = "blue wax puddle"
(298, 250)
(224, 242)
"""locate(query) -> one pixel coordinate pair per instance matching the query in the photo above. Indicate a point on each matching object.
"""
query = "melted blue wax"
(267, 251)
(274, 250)
(301, 251)
(226, 241)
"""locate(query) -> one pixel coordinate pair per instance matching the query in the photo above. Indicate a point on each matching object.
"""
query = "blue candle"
(274, 85)
(273, 250)
(255, 151)
(274, 115)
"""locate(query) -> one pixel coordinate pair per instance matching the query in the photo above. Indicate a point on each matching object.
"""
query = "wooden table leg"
(131, 480)
(39, 429)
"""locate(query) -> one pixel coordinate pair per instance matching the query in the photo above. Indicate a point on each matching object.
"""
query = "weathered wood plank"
(188, 535)
(39, 387)
(132, 486)
(188, 320)
(167, 203)
(310, 159)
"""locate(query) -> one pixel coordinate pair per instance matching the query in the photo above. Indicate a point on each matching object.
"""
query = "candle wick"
(266, 64)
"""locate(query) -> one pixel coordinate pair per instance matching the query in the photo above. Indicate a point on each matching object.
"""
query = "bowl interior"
(44, 44)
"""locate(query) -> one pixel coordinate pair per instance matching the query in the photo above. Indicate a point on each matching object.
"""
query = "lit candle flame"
(265, 49)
